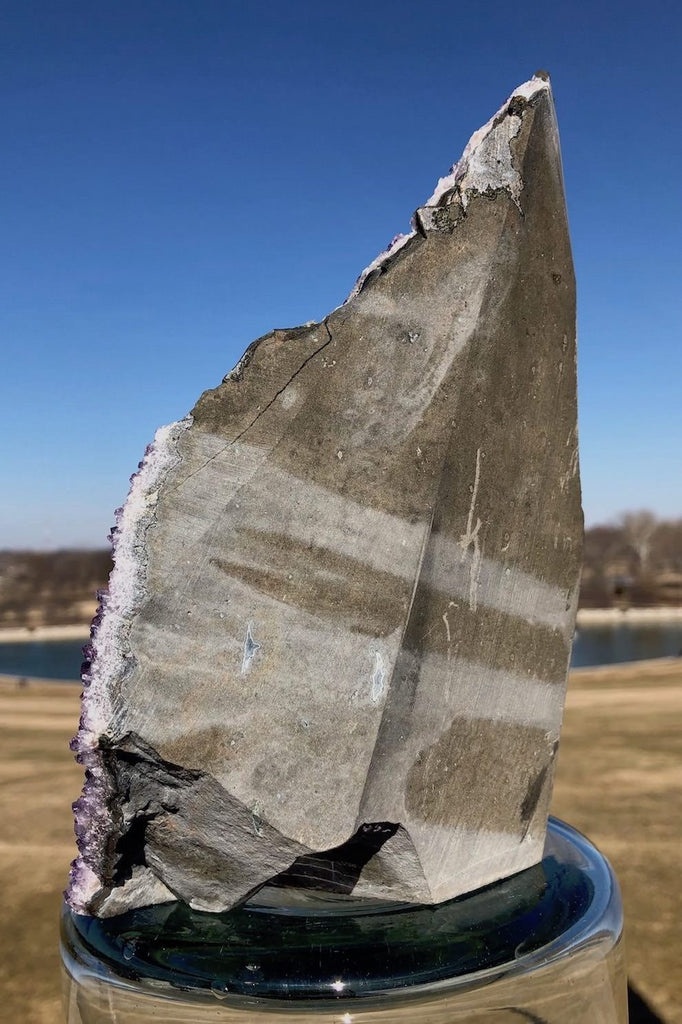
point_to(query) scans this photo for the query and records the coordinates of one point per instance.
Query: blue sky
(178, 178)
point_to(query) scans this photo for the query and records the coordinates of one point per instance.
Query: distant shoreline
(628, 616)
(11, 681)
(21, 634)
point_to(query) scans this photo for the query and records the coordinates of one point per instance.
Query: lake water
(53, 659)
(616, 643)
(593, 645)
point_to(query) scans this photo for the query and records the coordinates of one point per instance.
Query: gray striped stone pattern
(356, 586)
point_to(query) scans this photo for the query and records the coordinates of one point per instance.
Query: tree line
(50, 588)
(636, 560)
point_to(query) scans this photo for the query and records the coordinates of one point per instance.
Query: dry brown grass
(38, 782)
(618, 781)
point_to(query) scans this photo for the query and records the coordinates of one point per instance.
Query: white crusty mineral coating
(485, 164)
(472, 167)
(109, 650)
(126, 584)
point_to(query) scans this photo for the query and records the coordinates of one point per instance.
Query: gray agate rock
(334, 648)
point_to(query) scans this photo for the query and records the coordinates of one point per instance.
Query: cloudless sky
(177, 178)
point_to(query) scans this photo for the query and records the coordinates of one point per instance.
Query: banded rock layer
(335, 643)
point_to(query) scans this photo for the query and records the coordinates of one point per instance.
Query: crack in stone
(527, 1015)
(261, 412)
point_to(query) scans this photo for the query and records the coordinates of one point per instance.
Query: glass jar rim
(287, 948)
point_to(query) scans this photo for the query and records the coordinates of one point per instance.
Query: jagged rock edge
(448, 187)
(131, 749)
(107, 656)
(335, 870)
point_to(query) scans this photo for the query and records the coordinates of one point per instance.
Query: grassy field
(618, 780)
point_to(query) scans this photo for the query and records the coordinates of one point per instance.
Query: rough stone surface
(345, 586)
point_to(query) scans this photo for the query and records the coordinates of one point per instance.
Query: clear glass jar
(544, 946)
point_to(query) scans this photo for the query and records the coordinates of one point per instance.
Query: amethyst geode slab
(334, 648)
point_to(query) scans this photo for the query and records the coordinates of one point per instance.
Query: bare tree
(639, 528)
(666, 546)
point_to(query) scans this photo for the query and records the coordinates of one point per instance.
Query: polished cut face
(336, 639)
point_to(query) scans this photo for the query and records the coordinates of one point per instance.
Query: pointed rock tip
(538, 83)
